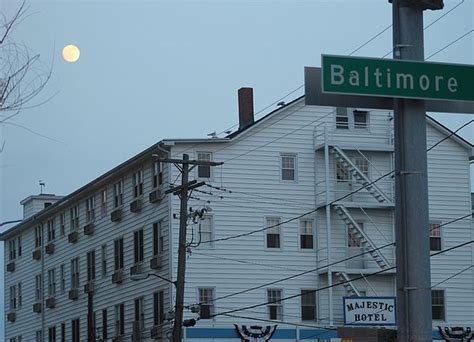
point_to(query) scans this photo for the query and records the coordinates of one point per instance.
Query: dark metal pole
(411, 194)
(183, 216)
(90, 317)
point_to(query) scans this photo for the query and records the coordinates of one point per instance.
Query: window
(361, 119)
(206, 302)
(62, 275)
(38, 236)
(20, 296)
(342, 120)
(139, 312)
(288, 163)
(306, 234)
(119, 319)
(38, 287)
(204, 171)
(63, 332)
(75, 330)
(435, 236)
(12, 249)
(352, 239)
(206, 230)
(308, 305)
(90, 209)
(437, 305)
(51, 232)
(138, 246)
(12, 298)
(158, 240)
(342, 173)
(158, 308)
(157, 173)
(62, 223)
(19, 250)
(118, 194)
(137, 183)
(363, 165)
(47, 204)
(51, 283)
(104, 260)
(52, 334)
(39, 336)
(91, 266)
(74, 217)
(104, 324)
(275, 306)
(75, 273)
(273, 232)
(118, 254)
(103, 202)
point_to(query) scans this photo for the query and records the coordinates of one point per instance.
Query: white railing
(375, 134)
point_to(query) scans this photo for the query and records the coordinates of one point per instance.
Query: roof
(163, 146)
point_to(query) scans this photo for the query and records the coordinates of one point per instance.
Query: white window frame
(118, 194)
(277, 304)
(199, 155)
(294, 156)
(313, 292)
(38, 236)
(158, 244)
(118, 254)
(90, 209)
(158, 307)
(210, 233)
(269, 231)
(75, 273)
(13, 298)
(363, 165)
(51, 230)
(212, 303)
(91, 266)
(119, 318)
(445, 311)
(341, 112)
(103, 254)
(51, 283)
(140, 310)
(74, 217)
(12, 249)
(432, 235)
(62, 277)
(38, 288)
(300, 231)
(103, 201)
(62, 223)
(157, 172)
(18, 246)
(137, 183)
(138, 246)
(358, 127)
(20, 295)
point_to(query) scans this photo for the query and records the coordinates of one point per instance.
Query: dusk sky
(150, 70)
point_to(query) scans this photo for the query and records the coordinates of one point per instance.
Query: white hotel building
(276, 171)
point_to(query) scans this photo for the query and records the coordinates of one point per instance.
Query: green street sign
(396, 78)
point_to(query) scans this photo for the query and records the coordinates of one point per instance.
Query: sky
(153, 69)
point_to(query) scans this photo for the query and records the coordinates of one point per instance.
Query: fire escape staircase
(366, 244)
(359, 176)
(351, 290)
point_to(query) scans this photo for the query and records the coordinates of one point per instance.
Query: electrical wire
(450, 135)
(337, 284)
(446, 46)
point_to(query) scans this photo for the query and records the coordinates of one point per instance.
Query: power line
(446, 46)
(453, 276)
(450, 135)
(338, 284)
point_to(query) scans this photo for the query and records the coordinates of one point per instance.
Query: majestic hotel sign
(369, 311)
(396, 78)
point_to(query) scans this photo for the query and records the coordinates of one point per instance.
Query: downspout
(328, 227)
(315, 164)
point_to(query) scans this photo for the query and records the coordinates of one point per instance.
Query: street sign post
(397, 78)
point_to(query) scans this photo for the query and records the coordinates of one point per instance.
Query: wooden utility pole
(183, 192)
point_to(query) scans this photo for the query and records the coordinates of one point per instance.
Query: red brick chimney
(245, 107)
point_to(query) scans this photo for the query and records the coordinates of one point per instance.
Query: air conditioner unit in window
(89, 287)
(11, 316)
(49, 248)
(73, 237)
(156, 196)
(118, 339)
(136, 206)
(37, 307)
(11, 266)
(136, 269)
(73, 294)
(155, 262)
(37, 254)
(156, 332)
(117, 277)
(116, 215)
(89, 229)
(50, 302)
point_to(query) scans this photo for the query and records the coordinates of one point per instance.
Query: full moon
(71, 53)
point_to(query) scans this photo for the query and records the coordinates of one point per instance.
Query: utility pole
(411, 183)
(90, 317)
(183, 192)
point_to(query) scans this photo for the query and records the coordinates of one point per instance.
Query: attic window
(47, 204)
(361, 119)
